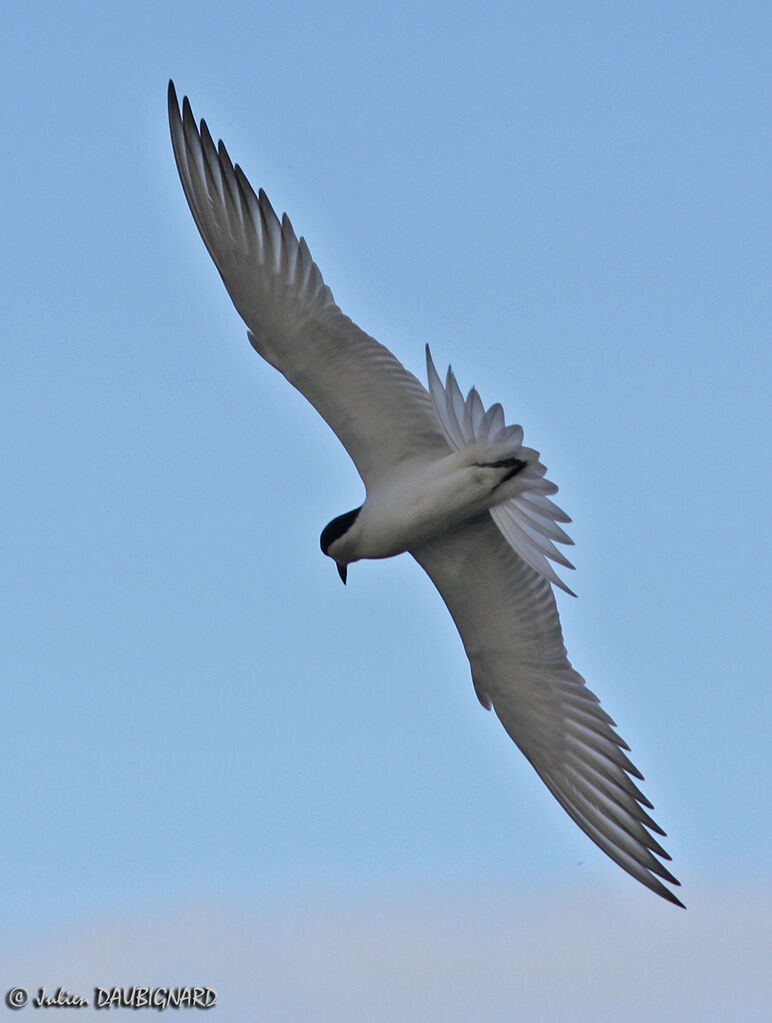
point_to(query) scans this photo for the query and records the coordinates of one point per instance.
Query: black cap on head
(335, 529)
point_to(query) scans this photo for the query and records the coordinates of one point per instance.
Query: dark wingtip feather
(670, 897)
(172, 104)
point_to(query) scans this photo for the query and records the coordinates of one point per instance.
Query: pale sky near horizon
(571, 204)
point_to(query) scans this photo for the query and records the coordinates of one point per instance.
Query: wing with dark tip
(506, 615)
(380, 411)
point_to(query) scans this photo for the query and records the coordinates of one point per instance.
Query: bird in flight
(446, 480)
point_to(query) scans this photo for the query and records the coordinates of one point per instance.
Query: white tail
(529, 522)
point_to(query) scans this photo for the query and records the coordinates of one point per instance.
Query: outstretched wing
(506, 615)
(379, 411)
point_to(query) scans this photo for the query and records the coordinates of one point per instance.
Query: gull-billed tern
(446, 480)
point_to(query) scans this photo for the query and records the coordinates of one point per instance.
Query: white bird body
(447, 481)
(413, 503)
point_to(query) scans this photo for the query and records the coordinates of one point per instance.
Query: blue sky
(570, 203)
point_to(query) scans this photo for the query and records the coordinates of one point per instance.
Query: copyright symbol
(17, 998)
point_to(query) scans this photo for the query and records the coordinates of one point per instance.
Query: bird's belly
(397, 518)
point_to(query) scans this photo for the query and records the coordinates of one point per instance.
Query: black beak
(342, 572)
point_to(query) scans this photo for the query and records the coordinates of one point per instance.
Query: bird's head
(333, 540)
